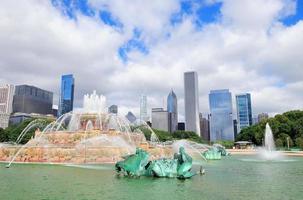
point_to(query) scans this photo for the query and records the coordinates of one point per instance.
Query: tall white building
(191, 92)
(143, 108)
(6, 103)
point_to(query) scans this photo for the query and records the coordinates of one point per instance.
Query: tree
(13, 131)
(227, 144)
(279, 142)
(286, 125)
(299, 142)
(3, 135)
(187, 135)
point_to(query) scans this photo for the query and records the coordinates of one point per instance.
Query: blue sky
(293, 19)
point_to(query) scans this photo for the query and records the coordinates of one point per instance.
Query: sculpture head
(181, 150)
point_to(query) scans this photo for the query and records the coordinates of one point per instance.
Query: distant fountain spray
(268, 152)
(269, 143)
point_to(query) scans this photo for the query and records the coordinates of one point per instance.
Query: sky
(125, 48)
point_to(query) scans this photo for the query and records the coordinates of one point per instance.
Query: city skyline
(120, 54)
(148, 107)
(160, 99)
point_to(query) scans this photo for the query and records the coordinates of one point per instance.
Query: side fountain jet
(137, 165)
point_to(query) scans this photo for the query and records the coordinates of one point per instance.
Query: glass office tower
(244, 114)
(221, 121)
(67, 94)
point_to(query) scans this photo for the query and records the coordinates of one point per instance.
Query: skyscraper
(221, 120)
(204, 126)
(143, 108)
(172, 109)
(113, 109)
(244, 114)
(66, 94)
(6, 102)
(191, 100)
(160, 119)
(131, 117)
(31, 99)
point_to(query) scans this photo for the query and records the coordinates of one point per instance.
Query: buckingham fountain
(86, 135)
(91, 135)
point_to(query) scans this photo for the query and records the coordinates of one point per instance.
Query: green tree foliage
(3, 135)
(279, 142)
(166, 136)
(227, 144)
(287, 125)
(299, 142)
(145, 130)
(11, 133)
(190, 135)
(163, 135)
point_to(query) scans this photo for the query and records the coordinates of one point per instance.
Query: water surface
(234, 177)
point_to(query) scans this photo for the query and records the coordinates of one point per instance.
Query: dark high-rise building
(30, 99)
(235, 128)
(221, 119)
(204, 126)
(66, 94)
(181, 126)
(191, 100)
(131, 117)
(113, 109)
(244, 113)
(172, 109)
(55, 110)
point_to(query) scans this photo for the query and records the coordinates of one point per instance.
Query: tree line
(286, 128)
(11, 133)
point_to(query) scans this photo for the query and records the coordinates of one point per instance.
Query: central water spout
(93, 103)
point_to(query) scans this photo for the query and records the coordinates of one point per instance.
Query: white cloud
(247, 50)
(257, 15)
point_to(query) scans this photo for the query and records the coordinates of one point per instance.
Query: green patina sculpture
(221, 149)
(212, 154)
(215, 152)
(138, 165)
